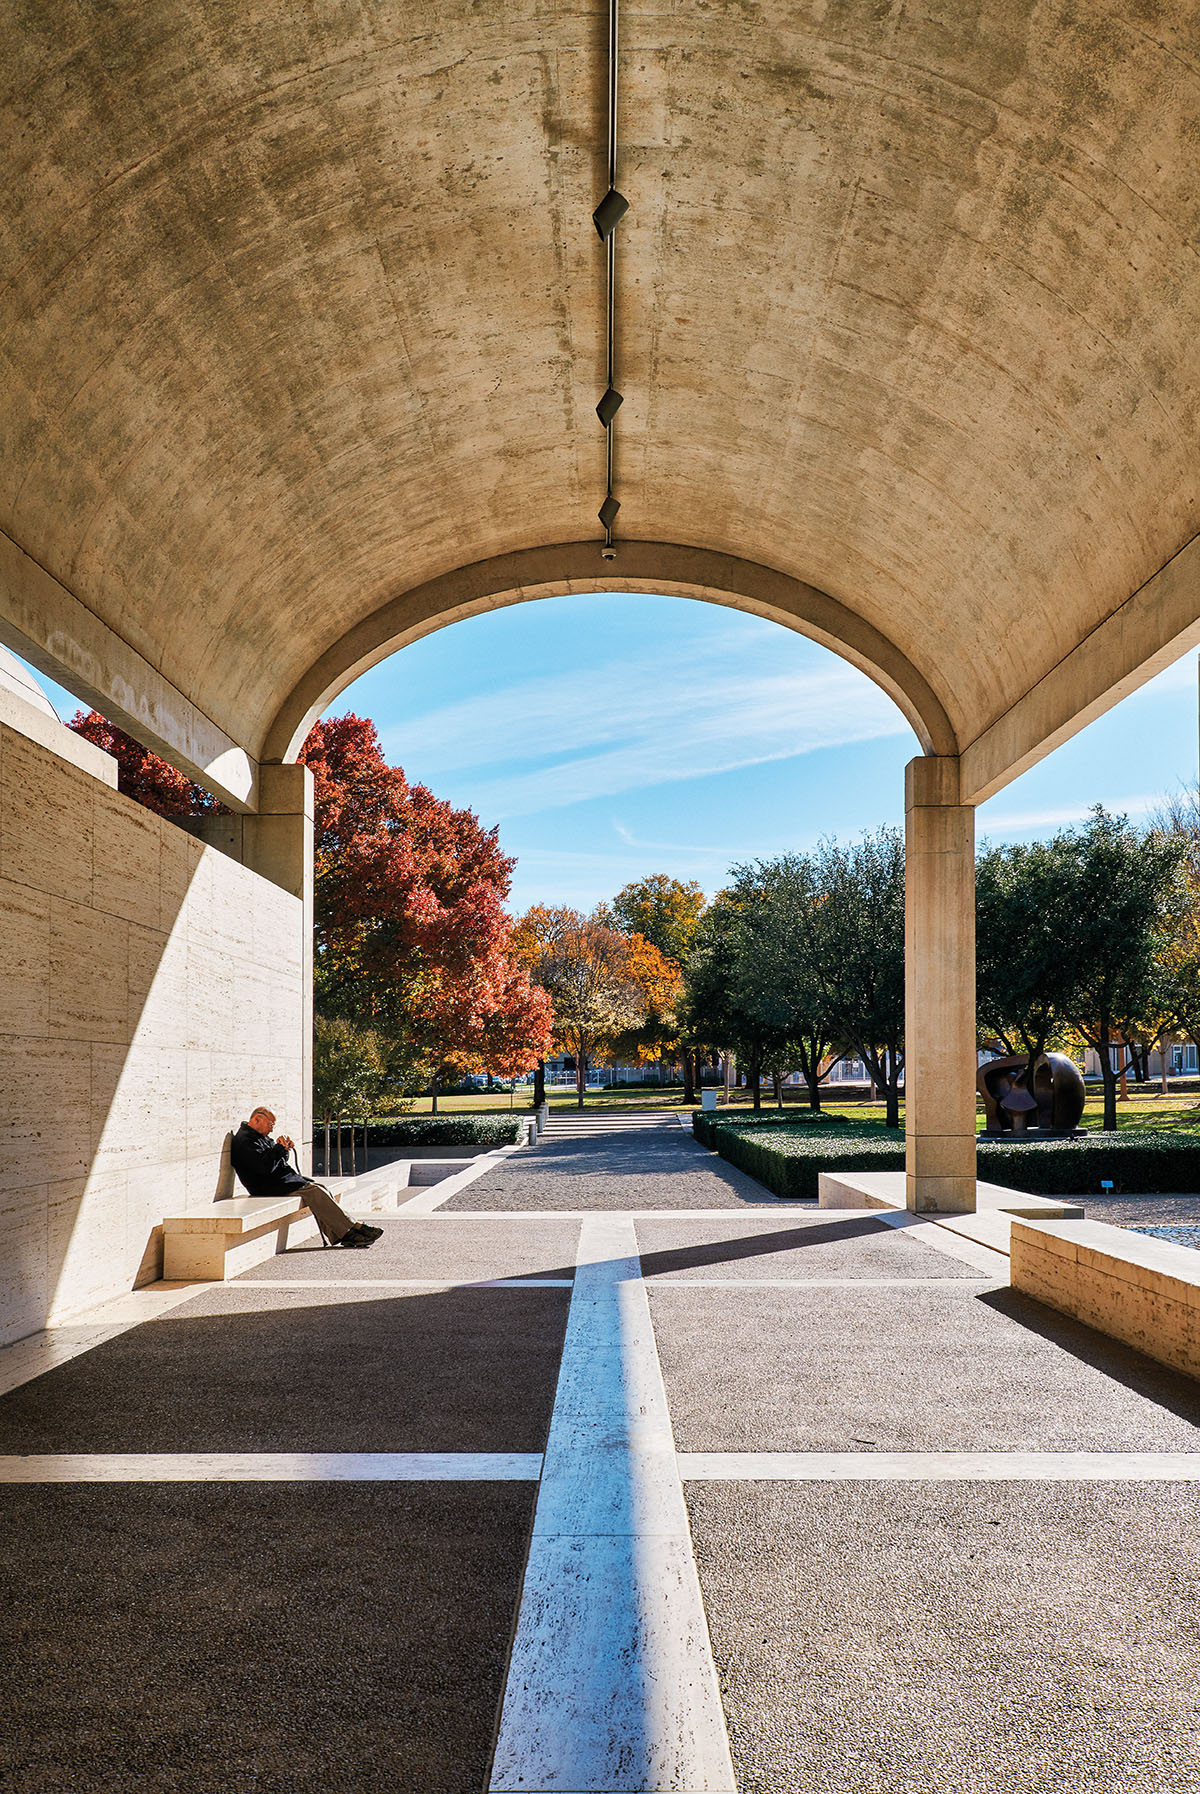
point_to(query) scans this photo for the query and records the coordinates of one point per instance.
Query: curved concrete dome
(20, 681)
(303, 311)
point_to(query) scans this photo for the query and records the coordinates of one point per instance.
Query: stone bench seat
(219, 1242)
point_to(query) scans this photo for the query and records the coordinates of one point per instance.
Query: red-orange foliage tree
(411, 932)
(142, 775)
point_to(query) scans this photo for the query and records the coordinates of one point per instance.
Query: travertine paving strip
(611, 1684)
(272, 1467)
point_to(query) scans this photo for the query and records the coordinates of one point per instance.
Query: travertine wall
(150, 993)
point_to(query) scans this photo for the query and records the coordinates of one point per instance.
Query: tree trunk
(812, 1077)
(366, 1150)
(777, 1085)
(339, 1145)
(1108, 1078)
(539, 1084)
(580, 1079)
(883, 1069)
(689, 1084)
(433, 1093)
(325, 1165)
(755, 1076)
(1163, 1049)
(892, 1067)
(1140, 1053)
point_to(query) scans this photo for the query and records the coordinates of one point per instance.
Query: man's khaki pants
(333, 1221)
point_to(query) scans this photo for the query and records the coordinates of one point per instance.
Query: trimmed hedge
(447, 1130)
(788, 1157)
(705, 1121)
(788, 1160)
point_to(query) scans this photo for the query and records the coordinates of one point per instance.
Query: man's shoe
(372, 1233)
(355, 1237)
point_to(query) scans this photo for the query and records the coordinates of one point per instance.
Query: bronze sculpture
(1049, 1110)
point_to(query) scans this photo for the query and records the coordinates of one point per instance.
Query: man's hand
(288, 1145)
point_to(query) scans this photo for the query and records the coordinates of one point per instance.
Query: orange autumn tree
(411, 933)
(598, 979)
(656, 1035)
(535, 939)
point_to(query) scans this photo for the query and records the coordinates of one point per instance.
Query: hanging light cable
(606, 217)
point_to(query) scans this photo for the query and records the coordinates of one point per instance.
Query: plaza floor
(612, 1473)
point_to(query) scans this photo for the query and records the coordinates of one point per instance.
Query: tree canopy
(411, 935)
(663, 910)
(143, 776)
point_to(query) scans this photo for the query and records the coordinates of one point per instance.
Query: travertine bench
(230, 1237)
(215, 1243)
(1140, 1289)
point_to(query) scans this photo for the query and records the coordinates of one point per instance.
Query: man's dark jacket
(262, 1164)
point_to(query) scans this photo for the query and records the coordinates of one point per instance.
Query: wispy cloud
(1035, 820)
(633, 723)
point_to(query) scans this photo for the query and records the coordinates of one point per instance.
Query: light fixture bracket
(609, 213)
(609, 405)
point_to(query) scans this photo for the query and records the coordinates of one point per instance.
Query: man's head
(261, 1120)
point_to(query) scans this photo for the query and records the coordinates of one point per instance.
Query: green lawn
(649, 1096)
(1145, 1106)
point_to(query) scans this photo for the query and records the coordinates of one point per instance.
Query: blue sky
(614, 735)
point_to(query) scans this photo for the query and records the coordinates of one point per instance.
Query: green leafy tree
(351, 1074)
(858, 949)
(716, 1009)
(1117, 892)
(1179, 953)
(665, 911)
(778, 972)
(1022, 976)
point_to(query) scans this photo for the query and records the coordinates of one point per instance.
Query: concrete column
(939, 949)
(277, 843)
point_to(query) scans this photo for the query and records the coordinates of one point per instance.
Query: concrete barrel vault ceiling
(302, 323)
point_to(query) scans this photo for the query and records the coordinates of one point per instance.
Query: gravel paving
(968, 1639)
(412, 1247)
(1132, 1210)
(942, 1369)
(645, 1169)
(811, 1245)
(331, 1370)
(201, 1639)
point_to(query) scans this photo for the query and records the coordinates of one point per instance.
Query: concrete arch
(673, 569)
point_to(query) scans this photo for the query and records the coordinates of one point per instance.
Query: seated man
(263, 1166)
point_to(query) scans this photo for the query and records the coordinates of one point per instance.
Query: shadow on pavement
(716, 1252)
(1158, 1383)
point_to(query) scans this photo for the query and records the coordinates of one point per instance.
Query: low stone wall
(1141, 1290)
